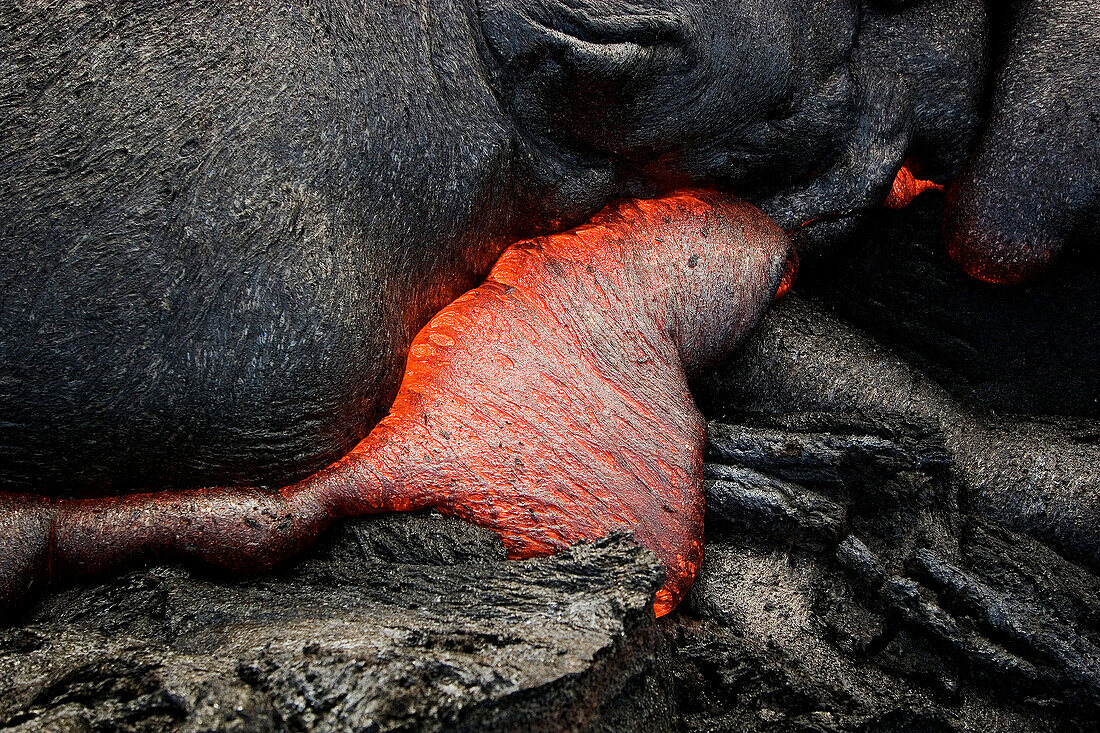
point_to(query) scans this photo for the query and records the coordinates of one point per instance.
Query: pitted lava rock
(550, 405)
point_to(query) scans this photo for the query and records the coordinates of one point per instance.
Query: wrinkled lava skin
(550, 404)
(911, 85)
(1026, 140)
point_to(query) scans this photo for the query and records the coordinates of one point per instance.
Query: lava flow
(790, 274)
(907, 187)
(550, 405)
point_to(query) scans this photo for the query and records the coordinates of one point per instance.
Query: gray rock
(397, 623)
(915, 615)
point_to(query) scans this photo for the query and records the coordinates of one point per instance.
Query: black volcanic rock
(1030, 349)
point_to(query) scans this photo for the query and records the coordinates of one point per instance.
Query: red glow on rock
(907, 187)
(806, 223)
(790, 274)
(550, 404)
(984, 257)
(979, 246)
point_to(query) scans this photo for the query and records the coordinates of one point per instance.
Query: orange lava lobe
(550, 405)
(907, 187)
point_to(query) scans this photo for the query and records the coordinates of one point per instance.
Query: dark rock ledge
(844, 590)
(412, 622)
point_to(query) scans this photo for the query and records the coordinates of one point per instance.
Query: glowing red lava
(790, 274)
(987, 252)
(550, 404)
(907, 187)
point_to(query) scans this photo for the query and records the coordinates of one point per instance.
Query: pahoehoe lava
(550, 404)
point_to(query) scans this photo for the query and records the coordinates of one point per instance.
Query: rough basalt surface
(845, 589)
(403, 623)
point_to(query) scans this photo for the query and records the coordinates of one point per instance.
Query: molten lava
(550, 405)
(790, 274)
(907, 187)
